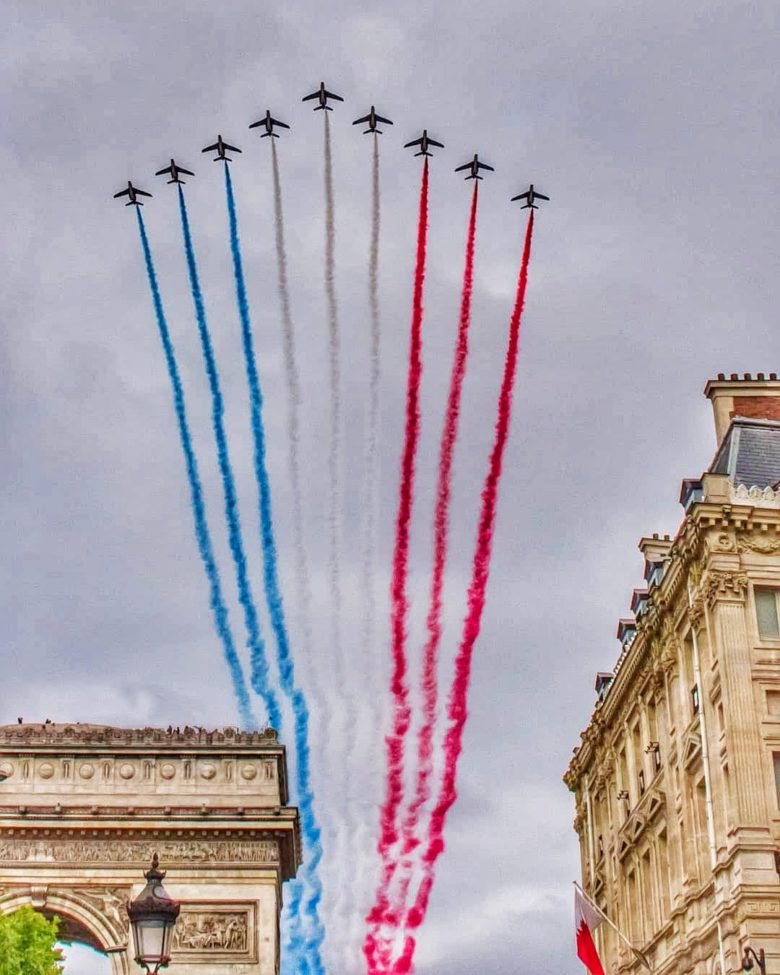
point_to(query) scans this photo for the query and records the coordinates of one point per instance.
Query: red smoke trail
(457, 708)
(394, 743)
(430, 686)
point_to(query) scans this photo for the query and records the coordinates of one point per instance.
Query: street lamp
(750, 956)
(152, 916)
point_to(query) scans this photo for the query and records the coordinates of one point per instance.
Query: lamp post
(152, 917)
(749, 956)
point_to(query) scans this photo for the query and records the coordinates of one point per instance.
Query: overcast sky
(653, 127)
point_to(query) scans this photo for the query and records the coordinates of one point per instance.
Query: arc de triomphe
(83, 808)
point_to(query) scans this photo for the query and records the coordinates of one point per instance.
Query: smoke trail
(457, 708)
(309, 826)
(303, 581)
(202, 534)
(334, 354)
(430, 688)
(256, 646)
(399, 598)
(353, 879)
(369, 503)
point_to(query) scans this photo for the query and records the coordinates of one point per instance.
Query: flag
(587, 920)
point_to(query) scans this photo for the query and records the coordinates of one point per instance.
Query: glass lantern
(153, 917)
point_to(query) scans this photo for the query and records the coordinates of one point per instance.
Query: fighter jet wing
(459, 169)
(307, 98)
(366, 118)
(379, 118)
(330, 94)
(433, 142)
(275, 121)
(481, 165)
(540, 196)
(122, 193)
(414, 142)
(181, 169)
(522, 196)
(231, 148)
(169, 169)
(142, 193)
(211, 148)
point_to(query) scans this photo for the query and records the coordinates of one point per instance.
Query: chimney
(655, 548)
(754, 397)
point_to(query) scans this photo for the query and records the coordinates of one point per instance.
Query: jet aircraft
(269, 124)
(372, 118)
(530, 196)
(475, 165)
(221, 147)
(322, 95)
(174, 171)
(133, 192)
(424, 142)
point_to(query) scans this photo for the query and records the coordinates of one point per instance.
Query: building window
(641, 782)
(766, 614)
(601, 846)
(695, 698)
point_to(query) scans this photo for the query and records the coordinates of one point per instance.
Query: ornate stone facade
(83, 808)
(677, 776)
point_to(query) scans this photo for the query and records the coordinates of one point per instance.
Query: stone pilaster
(726, 595)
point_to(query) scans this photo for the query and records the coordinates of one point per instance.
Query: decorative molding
(756, 496)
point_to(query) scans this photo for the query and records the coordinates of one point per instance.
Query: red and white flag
(587, 919)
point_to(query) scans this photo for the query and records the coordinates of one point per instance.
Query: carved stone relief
(222, 931)
(111, 902)
(762, 544)
(138, 851)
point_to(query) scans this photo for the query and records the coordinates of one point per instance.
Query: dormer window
(695, 698)
(626, 631)
(603, 682)
(691, 492)
(655, 572)
(639, 602)
(641, 782)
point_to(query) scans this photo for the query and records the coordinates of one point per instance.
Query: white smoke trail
(334, 351)
(337, 715)
(303, 579)
(364, 754)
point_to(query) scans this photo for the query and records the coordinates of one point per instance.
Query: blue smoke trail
(256, 646)
(311, 832)
(196, 492)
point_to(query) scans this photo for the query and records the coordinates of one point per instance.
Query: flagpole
(615, 928)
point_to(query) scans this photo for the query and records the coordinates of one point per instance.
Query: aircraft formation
(423, 143)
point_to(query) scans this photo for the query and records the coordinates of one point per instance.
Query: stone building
(677, 776)
(83, 808)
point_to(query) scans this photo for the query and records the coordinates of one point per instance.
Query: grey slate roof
(750, 453)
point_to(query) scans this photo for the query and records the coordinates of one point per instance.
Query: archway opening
(80, 948)
(81, 959)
